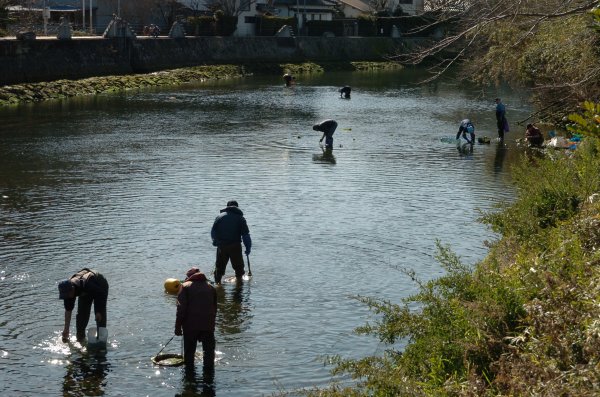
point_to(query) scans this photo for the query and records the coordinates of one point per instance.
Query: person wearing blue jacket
(501, 121)
(228, 231)
(90, 287)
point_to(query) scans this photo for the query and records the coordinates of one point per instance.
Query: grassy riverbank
(526, 320)
(36, 92)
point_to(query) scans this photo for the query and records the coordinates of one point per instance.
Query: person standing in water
(327, 127)
(228, 229)
(196, 317)
(501, 121)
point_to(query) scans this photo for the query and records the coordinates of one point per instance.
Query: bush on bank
(524, 321)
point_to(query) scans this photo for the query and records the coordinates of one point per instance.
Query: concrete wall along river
(46, 59)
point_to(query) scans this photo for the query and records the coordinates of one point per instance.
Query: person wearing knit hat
(195, 318)
(90, 287)
(228, 231)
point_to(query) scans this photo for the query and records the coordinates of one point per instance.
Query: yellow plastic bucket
(172, 286)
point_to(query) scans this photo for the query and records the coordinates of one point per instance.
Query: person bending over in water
(327, 127)
(345, 92)
(466, 127)
(289, 79)
(91, 287)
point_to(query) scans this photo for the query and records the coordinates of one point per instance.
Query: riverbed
(129, 184)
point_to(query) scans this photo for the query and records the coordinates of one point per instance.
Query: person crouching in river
(533, 135)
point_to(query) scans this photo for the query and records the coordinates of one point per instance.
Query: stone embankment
(40, 69)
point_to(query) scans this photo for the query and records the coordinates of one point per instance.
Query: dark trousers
(225, 253)
(84, 307)
(500, 125)
(190, 341)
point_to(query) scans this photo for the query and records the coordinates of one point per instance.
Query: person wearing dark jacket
(345, 92)
(228, 230)
(196, 316)
(533, 135)
(327, 127)
(91, 287)
(501, 121)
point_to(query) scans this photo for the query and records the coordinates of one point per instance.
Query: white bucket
(97, 337)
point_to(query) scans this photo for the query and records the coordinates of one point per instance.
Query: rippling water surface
(130, 185)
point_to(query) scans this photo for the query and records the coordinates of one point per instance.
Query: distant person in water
(327, 127)
(345, 92)
(501, 121)
(533, 135)
(466, 127)
(289, 79)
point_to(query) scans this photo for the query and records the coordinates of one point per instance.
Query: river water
(130, 185)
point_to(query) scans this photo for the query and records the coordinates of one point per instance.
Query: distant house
(355, 8)
(411, 7)
(306, 10)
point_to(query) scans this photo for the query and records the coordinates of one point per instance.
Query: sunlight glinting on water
(131, 184)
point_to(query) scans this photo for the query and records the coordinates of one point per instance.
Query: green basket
(168, 360)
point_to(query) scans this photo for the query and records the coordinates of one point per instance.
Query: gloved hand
(178, 331)
(247, 252)
(214, 243)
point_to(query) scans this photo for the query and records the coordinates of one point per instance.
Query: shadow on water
(86, 376)
(195, 385)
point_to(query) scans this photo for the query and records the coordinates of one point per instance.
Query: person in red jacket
(195, 319)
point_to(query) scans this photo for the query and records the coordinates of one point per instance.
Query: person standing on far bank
(501, 121)
(228, 231)
(91, 287)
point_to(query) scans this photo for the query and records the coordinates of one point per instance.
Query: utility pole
(298, 15)
(83, 15)
(91, 24)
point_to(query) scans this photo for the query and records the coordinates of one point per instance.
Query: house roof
(302, 3)
(357, 4)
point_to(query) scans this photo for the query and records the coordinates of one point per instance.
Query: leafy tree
(547, 45)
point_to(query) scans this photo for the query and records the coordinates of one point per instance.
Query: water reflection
(86, 376)
(326, 156)
(465, 149)
(233, 307)
(195, 385)
(499, 157)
